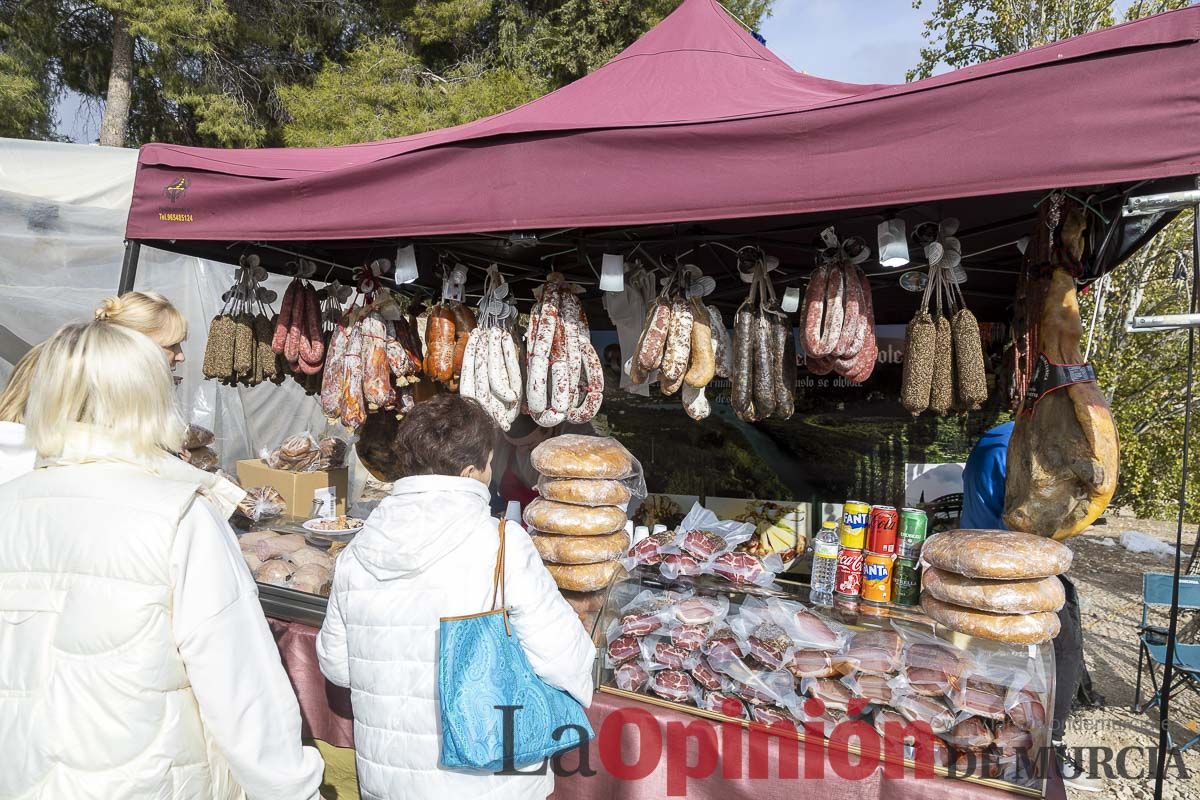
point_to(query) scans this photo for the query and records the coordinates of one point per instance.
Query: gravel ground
(1109, 580)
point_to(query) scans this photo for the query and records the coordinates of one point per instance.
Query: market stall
(735, 221)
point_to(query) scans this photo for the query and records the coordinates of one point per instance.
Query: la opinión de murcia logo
(852, 750)
(176, 190)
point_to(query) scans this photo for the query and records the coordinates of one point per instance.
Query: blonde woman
(16, 458)
(137, 660)
(150, 314)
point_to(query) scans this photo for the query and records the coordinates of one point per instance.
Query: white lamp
(893, 243)
(612, 273)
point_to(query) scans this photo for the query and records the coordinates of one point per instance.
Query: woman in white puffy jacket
(136, 660)
(428, 551)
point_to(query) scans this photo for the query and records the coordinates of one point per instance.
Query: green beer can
(906, 582)
(913, 526)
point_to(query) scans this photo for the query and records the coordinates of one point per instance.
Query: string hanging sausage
(702, 364)
(743, 353)
(679, 342)
(764, 386)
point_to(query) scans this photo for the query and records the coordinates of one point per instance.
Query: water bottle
(824, 569)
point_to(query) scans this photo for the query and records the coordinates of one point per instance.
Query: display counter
(882, 684)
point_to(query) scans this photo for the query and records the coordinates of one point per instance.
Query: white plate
(333, 535)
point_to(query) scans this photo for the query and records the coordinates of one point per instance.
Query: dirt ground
(1109, 580)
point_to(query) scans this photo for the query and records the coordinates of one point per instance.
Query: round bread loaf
(1006, 555)
(999, 597)
(586, 605)
(568, 520)
(575, 456)
(583, 577)
(1012, 628)
(584, 491)
(557, 549)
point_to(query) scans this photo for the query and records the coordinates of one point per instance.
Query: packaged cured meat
(724, 704)
(810, 664)
(872, 652)
(673, 684)
(675, 565)
(558, 549)
(980, 697)
(584, 492)
(621, 649)
(645, 614)
(743, 569)
(1010, 739)
(702, 544)
(631, 677)
(1006, 555)
(830, 691)
(689, 637)
(274, 572)
(313, 579)
(297, 453)
(1012, 628)
(722, 647)
(701, 610)
(770, 646)
(1027, 711)
(648, 551)
(277, 546)
(575, 456)
(706, 677)
(659, 650)
(252, 560)
(806, 628)
(773, 716)
(548, 516)
(934, 713)
(204, 458)
(583, 577)
(878, 689)
(969, 734)
(247, 541)
(997, 596)
(309, 555)
(761, 687)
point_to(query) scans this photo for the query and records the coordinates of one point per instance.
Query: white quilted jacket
(428, 551)
(135, 662)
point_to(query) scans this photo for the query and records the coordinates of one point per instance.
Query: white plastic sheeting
(62, 221)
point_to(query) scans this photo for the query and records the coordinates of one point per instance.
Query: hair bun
(109, 308)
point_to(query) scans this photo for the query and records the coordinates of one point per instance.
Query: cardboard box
(297, 488)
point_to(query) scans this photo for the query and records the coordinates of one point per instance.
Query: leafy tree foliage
(248, 73)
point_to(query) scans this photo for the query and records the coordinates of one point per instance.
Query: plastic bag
(766, 642)
(631, 676)
(303, 452)
(743, 569)
(586, 491)
(262, 502)
(661, 651)
(648, 552)
(578, 456)
(724, 703)
(708, 678)
(701, 519)
(673, 684)
(808, 629)
(698, 610)
(196, 437)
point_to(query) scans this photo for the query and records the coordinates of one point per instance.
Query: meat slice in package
(664, 653)
(689, 637)
(631, 676)
(701, 610)
(673, 684)
(703, 544)
(725, 704)
(622, 649)
(707, 677)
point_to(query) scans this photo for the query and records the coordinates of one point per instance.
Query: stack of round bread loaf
(998, 585)
(578, 523)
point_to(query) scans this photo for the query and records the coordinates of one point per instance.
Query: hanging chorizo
(679, 342)
(654, 340)
(702, 365)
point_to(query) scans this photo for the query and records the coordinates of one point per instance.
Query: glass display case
(962, 707)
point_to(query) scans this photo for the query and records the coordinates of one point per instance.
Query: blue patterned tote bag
(496, 713)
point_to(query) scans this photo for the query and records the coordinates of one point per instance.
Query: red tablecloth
(324, 708)
(326, 712)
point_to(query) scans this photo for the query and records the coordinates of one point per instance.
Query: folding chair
(1156, 592)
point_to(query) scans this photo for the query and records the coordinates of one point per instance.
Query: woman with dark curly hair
(428, 551)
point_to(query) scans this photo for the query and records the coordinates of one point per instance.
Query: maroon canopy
(697, 120)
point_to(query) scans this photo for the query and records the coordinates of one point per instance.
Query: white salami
(497, 370)
(537, 395)
(594, 395)
(572, 319)
(512, 362)
(722, 350)
(466, 379)
(331, 382)
(695, 403)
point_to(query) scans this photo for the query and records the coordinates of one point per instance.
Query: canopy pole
(1164, 717)
(129, 265)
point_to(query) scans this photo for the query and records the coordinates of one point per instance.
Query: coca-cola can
(848, 582)
(881, 530)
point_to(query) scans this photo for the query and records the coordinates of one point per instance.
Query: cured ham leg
(1063, 459)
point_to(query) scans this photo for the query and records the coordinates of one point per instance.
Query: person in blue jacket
(983, 507)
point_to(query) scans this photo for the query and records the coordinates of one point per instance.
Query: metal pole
(129, 266)
(1164, 718)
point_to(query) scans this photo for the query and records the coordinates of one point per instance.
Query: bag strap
(498, 574)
